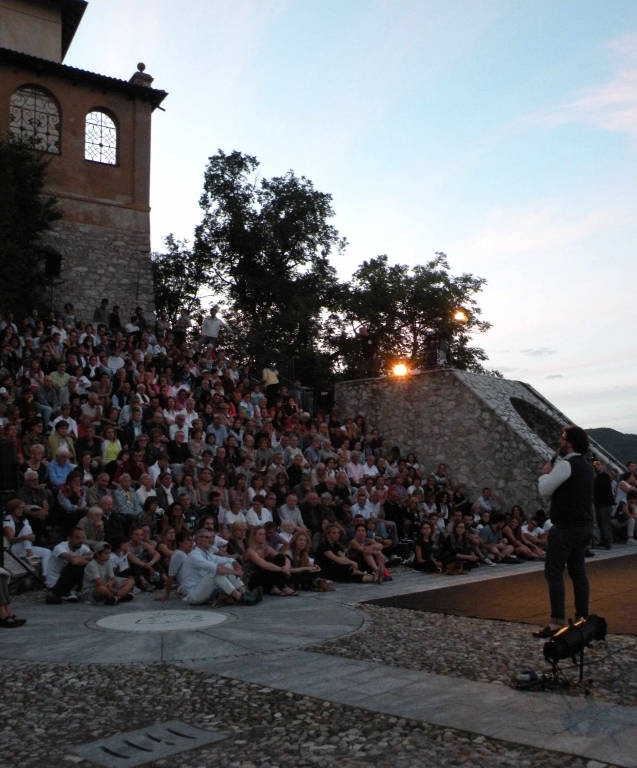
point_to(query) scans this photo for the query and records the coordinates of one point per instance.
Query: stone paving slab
(586, 727)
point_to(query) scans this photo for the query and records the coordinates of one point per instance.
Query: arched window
(100, 139)
(34, 119)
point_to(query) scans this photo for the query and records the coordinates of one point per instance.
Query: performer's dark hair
(577, 438)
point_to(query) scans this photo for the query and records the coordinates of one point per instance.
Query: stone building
(95, 131)
(489, 431)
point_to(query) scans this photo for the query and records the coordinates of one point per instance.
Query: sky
(501, 132)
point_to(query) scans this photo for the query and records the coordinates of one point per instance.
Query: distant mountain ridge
(623, 446)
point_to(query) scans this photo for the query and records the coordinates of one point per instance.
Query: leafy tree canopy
(25, 215)
(396, 312)
(264, 245)
(263, 248)
(176, 279)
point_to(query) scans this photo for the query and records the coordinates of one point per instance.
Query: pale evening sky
(501, 132)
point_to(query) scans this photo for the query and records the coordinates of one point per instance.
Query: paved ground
(263, 648)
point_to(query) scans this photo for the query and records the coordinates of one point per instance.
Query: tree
(177, 277)
(25, 215)
(264, 246)
(395, 312)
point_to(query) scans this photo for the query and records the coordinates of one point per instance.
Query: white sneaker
(488, 561)
(631, 541)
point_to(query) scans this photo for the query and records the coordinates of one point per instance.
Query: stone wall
(466, 420)
(104, 260)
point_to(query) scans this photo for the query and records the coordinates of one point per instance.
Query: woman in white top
(19, 534)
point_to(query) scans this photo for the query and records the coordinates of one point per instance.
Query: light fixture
(400, 369)
(570, 640)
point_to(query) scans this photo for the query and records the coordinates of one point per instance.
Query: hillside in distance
(623, 446)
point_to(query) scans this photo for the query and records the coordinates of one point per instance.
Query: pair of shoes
(630, 541)
(52, 599)
(248, 598)
(546, 632)
(320, 585)
(126, 598)
(111, 601)
(509, 560)
(72, 597)
(394, 561)
(488, 561)
(12, 623)
(589, 552)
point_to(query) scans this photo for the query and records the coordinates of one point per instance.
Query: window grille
(100, 144)
(34, 119)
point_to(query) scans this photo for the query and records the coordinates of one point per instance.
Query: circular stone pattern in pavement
(161, 621)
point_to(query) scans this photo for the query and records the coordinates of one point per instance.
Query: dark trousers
(268, 579)
(70, 578)
(567, 547)
(605, 528)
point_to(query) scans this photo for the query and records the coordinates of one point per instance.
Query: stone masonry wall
(102, 261)
(450, 416)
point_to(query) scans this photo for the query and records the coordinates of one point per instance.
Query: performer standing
(569, 483)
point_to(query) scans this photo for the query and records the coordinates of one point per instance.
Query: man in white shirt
(355, 469)
(361, 506)
(179, 426)
(211, 326)
(258, 515)
(370, 469)
(290, 512)
(204, 573)
(65, 569)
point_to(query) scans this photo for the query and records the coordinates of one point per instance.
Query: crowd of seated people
(204, 478)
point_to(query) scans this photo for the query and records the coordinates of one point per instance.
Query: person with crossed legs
(205, 573)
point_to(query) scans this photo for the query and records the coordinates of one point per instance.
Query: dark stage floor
(524, 597)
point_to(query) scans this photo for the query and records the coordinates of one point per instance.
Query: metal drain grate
(147, 744)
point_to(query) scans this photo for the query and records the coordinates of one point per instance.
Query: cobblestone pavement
(455, 646)
(47, 709)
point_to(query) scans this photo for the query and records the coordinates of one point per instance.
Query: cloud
(538, 351)
(611, 105)
(547, 226)
(554, 376)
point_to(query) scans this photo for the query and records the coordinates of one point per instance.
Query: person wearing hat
(99, 582)
(60, 438)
